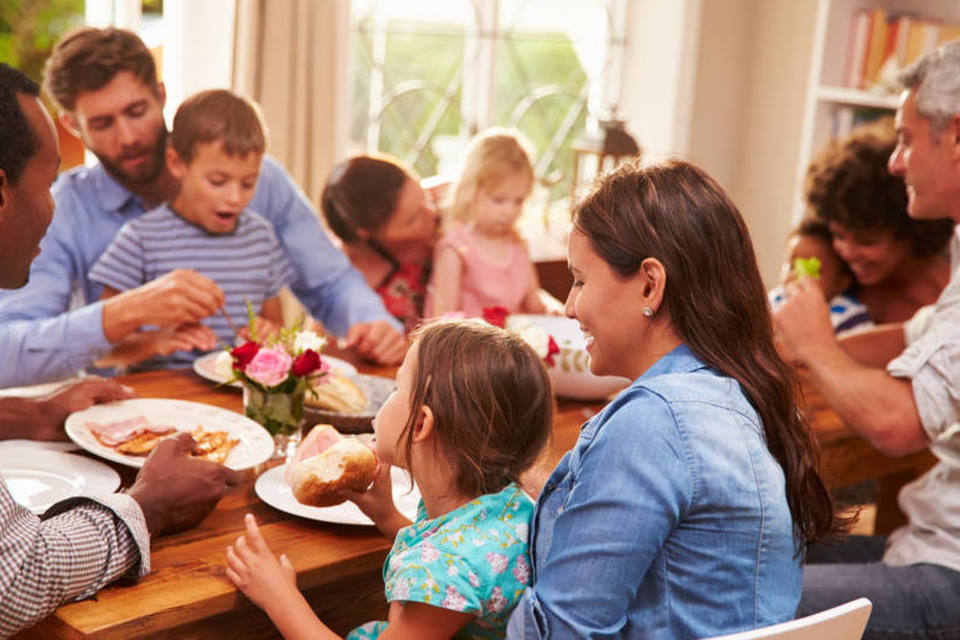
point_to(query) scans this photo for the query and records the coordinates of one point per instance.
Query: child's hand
(140, 345)
(253, 569)
(378, 499)
(264, 329)
(377, 503)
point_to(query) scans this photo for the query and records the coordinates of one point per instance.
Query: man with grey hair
(899, 387)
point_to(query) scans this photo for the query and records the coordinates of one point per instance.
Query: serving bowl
(570, 372)
(375, 388)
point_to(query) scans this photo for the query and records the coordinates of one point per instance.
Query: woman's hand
(377, 503)
(256, 571)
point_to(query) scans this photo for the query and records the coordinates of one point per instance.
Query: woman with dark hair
(684, 508)
(388, 226)
(900, 264)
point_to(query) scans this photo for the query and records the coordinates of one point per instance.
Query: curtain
(289, 56)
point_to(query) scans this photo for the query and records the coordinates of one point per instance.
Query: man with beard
(105, 84)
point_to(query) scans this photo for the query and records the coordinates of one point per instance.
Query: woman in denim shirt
(684, 507)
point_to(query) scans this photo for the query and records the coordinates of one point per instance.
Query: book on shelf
(846, 119)
(880, 44)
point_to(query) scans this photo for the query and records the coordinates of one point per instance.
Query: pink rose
(270, 366)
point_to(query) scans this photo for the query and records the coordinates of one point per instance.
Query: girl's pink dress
(486, 282)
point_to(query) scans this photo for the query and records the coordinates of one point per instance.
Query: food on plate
(326, 463)
(138, 437)
(113, 434)
(213, 445)
(336, 392)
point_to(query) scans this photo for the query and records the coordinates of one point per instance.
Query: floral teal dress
(473, 559)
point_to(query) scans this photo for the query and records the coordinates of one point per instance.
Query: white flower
(223, 365)
(308, 340)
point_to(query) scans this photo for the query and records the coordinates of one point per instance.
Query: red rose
(552, 350)
(243, 354)
(497, 316)
(306, 363)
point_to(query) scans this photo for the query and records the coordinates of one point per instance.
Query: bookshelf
(837, 95)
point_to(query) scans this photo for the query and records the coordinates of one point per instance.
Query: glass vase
(280, 413)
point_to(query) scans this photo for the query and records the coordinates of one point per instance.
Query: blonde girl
(465, 424)
(481, 261)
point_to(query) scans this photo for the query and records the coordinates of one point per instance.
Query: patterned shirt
(75, 549)
(473, 559)
(248, 264)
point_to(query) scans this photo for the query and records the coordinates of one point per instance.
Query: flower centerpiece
(276, 373)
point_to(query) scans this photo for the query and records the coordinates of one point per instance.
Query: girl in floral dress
(472, 411)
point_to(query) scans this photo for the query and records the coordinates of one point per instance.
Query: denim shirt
(52, 327)
(668, 519)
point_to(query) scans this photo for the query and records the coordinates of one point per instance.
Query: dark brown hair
(491, 401)
(18, 140)
(715, 301)
(848, 184)
(218, 115)
(88, 58)
(362, 193)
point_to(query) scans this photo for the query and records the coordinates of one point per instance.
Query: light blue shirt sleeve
(327, 284)
(630, 488)
(40, 340)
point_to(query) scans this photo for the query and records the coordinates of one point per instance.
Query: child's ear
(176, 165)
(423, 429)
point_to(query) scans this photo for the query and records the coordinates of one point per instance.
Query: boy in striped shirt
(215, 150)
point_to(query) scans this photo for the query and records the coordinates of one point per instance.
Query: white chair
(845, 622)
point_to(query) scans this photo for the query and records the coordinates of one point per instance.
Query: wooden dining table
(187, 593)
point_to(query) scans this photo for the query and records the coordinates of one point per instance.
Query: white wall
(749, 94)
(658, 74)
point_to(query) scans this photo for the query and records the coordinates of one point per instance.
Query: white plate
(38, 445)
(38, 479)
(205, 367)
(275, 492)
(255, 446)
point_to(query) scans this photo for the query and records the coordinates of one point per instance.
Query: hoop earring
(648, 312)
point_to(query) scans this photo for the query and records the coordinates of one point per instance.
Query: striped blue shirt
(248, 264)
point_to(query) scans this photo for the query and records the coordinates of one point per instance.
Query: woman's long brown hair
(716, 302)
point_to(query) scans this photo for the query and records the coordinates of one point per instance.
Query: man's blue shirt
(668, 519)
(52, 327)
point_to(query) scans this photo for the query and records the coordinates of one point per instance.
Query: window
(427, 74)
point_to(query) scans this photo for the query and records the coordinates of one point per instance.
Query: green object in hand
(807, 267)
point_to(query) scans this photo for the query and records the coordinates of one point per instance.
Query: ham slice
(114, 433)
(320, 438)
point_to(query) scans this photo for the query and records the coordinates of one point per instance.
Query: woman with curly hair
(900, 264)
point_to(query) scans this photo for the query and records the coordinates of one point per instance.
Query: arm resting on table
(78, 548)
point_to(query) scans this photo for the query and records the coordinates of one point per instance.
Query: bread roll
(338, 393)
(348, 464)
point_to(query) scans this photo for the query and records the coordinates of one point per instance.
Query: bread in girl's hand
(325, 464)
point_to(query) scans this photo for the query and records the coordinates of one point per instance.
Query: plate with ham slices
(128, 430)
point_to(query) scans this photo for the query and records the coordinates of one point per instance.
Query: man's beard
(148, 171)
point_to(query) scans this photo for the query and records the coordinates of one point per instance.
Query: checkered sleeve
(76, 548)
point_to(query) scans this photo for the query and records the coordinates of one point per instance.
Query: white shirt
(932, 363)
